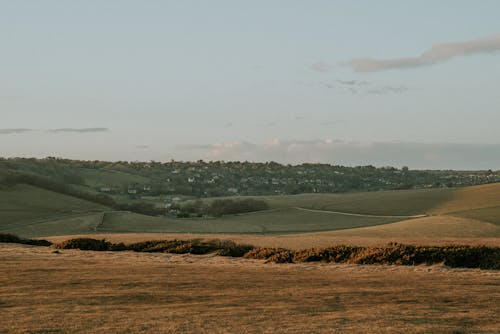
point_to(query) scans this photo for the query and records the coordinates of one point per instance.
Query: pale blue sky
(231, 79)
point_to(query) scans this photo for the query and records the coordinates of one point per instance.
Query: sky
(385, 83)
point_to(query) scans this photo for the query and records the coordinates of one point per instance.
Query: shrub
(229, 248)
(282, 256)
(85, 244)
(11, 238)
(262, 253)
(222, 207)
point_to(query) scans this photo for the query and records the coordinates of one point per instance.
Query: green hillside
(277, 221)
(392, 203)
(30, 211)
(22, 204)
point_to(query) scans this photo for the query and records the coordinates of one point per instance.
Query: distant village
(211, 179)
(176, 180)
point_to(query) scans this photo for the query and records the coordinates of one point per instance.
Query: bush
(11, 238)
(85, 244)
(262, 253)
(454, 256)
(222, 207)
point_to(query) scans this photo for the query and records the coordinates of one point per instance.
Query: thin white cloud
(320, 66)
(55, 131)
(353, 82)
(436, 54)
(78, 130)
(14, 131)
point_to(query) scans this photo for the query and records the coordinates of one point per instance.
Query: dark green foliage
(219, 207)
(140, 207)
(85, 244)
(219, 178)
(11, 238)
(222, 207)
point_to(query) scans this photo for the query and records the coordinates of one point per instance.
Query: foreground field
(93, 292)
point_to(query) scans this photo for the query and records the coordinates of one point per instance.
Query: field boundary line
(357, 214)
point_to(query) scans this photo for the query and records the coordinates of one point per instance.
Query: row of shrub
(219, 207)
(195, 246)
(483, 257)
(11, 238)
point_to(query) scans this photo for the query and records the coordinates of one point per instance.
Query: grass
(74, 224)
(470, 198)
(125, 292)
(464, 212)
(491, 214)
(428, 227)
(279, 221)
(395, 202)
(23, 203)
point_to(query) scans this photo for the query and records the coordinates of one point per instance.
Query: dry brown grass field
(124, 292)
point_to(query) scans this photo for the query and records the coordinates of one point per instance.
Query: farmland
(472, 211)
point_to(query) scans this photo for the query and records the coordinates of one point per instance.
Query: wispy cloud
(382, 90)
(14, 131)
(55, 131)
(436, 54)
(359, 87)
(78, 130)
(320, 66)
(353, 82)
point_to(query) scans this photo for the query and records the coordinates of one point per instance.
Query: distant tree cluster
(220, 178)
(218, 208)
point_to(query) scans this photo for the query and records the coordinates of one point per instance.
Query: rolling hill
(452, 212)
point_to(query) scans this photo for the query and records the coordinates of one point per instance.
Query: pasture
(450, 213)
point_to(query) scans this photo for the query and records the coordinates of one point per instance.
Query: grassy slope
(478, 204)
(279, 221)
(31, 212)
(23, 203)
(470, 198)
(75, 224)
(428, 227)
(396, 202)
